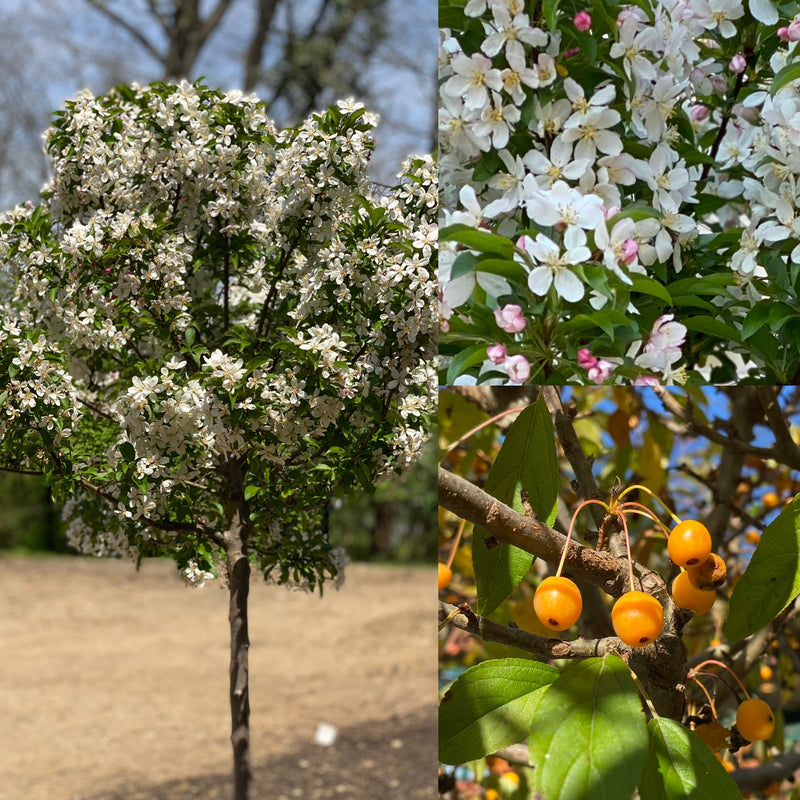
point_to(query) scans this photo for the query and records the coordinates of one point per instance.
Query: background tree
(298, 57)
(215, 327)
(726, 457)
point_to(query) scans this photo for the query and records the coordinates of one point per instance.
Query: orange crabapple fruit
(686, 595)
(689, 543)
(637, 618)
(755, 720)
(557, 603)
(445, 576)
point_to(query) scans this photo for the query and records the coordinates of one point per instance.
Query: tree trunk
(239, 587)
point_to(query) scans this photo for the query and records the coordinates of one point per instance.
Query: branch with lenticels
(506, 525)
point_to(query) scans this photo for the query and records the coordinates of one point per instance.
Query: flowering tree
(210, 327)
(622, 176)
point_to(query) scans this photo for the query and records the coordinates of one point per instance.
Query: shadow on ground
(391, 760)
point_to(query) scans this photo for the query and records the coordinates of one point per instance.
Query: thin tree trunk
(239, 587)
(239, 577)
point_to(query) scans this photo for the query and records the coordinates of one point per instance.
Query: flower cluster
(625, 176)
(200, 290)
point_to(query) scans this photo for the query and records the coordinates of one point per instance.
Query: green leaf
(189, 335)
(550, 11)
(789, 73)
(251, 491)
(465, 262)
(482, 241)
(490, 706)
(526, 460)
(772, 578)
(588, 737)
(127, 451)
(680, 765)
(466, 358)
(712, 327)
(645, 285)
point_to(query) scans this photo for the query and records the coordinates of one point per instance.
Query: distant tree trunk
(239, 587)
(384, 527)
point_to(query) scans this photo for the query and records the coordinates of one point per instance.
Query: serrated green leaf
(772, 578)
(680, 765)
(712, 327)
(466, 358)
(526, 460)
(482, 241)
(783, 77)
(490, 706)
(645, 285)
(588, 737)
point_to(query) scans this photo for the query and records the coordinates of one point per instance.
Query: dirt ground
(114, 685)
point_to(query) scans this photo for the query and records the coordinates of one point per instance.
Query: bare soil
(114, 685)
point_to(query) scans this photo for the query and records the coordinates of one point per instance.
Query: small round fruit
(445, 576)
(637, 618)
(689, 543)
(688, 596)
(558, 603)
(764, 672)
(771, 500)
(752, 536)
(755, 720)
(709, 575)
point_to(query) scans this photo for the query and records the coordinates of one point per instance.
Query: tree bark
(239, 588)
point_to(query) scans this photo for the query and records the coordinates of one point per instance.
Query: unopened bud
(738, 64)
(699, 113)
(582, 21)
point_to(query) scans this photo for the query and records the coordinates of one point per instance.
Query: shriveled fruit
(714, 735)
(689, 543)
(755, 720)
(709, 575)
(637, 618)
(445, 576)
(686, 595)
(558, 603)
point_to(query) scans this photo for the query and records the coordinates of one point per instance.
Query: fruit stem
(628, 549)
(643, 693)
(654, 496)
(696, 669)
(708, 696)
(455, 544)
(638, 508)
(477, 428)
(572, 526)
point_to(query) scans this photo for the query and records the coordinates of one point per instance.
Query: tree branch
(133, 30)
(465, 619)
(506, 525)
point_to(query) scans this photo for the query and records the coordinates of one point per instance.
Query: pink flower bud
(629, 251)
(517, 368)
(573, 51)
(497, 353)
(794, 31)
(585, 358)
(521, 242)
(510, 318)
(609, 212)
(582, 21)
(699, 113)
(738, 64)
(783, 34)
